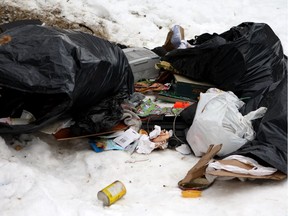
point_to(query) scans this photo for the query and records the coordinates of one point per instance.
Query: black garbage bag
(244, 59)
(270, 145)
(101, 117)
(54, 73)
(189, 113)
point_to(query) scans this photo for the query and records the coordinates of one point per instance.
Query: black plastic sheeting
(244, 59)
(248, 60)
(270, 145)
(98, 118)
(54, 73)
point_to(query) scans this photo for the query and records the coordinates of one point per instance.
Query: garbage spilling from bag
(221, 97)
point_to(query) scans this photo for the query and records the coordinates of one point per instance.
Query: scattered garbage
(127, 137)
(148, 86)
(157, 139)
(112, 193)
(132, 141)
(131, 119)
(219, 95)
(100, 145)
(149, 107)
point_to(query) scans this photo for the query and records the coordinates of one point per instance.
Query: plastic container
(191, 193)
(181, 104)
(112, 193)
(142, 62)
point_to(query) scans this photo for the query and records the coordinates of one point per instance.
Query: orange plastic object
(181, 104)
(191, 193)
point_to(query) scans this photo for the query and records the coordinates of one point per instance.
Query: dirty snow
(49, 178)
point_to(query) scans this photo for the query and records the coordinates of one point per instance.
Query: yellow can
(112, 193)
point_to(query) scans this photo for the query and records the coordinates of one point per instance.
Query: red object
(181, 104)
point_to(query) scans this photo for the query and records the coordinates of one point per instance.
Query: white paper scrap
(184, 149)
(127, 138)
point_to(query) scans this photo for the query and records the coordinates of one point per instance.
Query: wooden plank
(66, 133)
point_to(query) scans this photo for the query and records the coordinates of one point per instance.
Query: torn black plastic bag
(55, 73)
(270, 145)
(244, 59)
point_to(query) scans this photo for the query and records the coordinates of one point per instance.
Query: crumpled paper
(157, 139)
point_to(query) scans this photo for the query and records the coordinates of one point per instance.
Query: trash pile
(220, 97)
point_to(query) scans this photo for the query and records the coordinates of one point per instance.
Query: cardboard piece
(223, 173)
(198, 170)
(195, 178)
(168, 45)
(66, 133)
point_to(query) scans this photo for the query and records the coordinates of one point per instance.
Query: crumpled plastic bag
(218, 121)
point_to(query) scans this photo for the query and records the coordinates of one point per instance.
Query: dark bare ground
(51, 18)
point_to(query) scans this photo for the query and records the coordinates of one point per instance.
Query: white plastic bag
(218, 121)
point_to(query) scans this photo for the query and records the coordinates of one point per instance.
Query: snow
(146, 23)
(62, 178)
